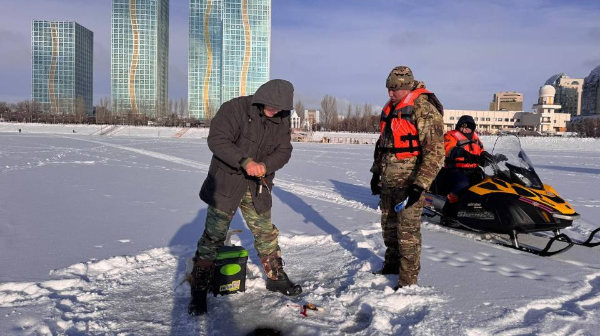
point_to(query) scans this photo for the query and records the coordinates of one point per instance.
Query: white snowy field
(95, 233)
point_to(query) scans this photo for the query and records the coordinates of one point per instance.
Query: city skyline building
(62, 67)
(229, 52)
(140, 57)
(507, 101)
(590, 97)
(568, 93)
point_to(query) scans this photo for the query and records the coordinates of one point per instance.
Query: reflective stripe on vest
(404, 133)
(472, 146)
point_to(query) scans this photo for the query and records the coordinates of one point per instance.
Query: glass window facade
(229, 52)
(140, 57)
(62, 66)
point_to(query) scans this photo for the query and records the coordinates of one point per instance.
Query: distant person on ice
(408, 156)
(464, 155)
(250, 140)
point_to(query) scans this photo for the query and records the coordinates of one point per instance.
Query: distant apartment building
(140, 57)
(590, 98)
(488, 122)
(568, 93)
(507, 101)
(544, 119)
(229, 52)
(492, 122)
(311, 119)
(62, 67)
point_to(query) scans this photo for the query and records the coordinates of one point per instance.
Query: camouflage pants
(401, 231)
(217, 224)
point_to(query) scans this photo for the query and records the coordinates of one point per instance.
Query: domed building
(546, 118)
(568, 92)
(590, 99)
(546, 96)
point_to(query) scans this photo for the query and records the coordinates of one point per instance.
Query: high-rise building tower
(229, 52)
(568, 93)
(140, 57)
(62, 67)
(590, 98)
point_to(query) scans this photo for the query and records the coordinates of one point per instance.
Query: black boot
(388, 268)
(199, 284)
(449, 212)
(277, 279)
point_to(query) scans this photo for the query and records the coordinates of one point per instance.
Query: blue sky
(464, 50)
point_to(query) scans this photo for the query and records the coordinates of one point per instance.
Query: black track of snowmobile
(545, 252)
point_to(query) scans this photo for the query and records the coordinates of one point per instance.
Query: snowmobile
(507, 197)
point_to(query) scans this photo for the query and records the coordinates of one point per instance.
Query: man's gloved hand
(486, 158)
(500, 157)
(413, 193)
(375, 187)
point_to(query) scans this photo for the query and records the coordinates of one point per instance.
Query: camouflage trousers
(402, 230)
(217, 224)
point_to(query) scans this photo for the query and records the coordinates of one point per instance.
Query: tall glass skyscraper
(229, 52)
(140, 57)
(62, 66)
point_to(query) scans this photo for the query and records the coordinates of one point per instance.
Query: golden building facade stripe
(247, 48)
(209, 56)
(51, 76)
(135, 56)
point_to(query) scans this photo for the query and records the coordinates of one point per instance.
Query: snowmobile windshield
(512, 164)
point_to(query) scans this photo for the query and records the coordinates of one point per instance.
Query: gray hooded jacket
(239, 131)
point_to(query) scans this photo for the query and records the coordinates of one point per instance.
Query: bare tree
(4, 109)
(80, 110)
(183, 109)
(329, 111)
(103, 113)
(210, 114)
(28, 111)
(299, 108)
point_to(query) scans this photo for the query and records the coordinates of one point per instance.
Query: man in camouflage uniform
(406, 179)
(250, 140)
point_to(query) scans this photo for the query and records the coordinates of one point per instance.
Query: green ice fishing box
(230, 270)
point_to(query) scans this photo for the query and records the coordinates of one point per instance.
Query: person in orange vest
(408, 157)
(464, 155)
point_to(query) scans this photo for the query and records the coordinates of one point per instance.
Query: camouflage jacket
(401, 173)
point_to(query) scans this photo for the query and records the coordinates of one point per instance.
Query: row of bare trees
(32, 111)
(174, 114)
(586, 127)
(357, 118)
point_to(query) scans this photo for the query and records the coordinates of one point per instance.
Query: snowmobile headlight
(566, 217)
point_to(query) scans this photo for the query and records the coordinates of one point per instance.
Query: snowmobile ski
(546, 251)
(588, 242)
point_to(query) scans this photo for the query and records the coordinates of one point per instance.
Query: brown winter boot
(277, 279)
(199, 284)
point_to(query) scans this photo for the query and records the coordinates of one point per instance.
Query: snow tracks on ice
(572, 314)
(142, 295)
(321, 194)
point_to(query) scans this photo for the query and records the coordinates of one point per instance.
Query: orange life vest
(454, 139)
(404, 134)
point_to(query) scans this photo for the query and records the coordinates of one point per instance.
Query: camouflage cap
(400, 78)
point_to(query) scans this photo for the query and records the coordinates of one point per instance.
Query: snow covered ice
(96, 233)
